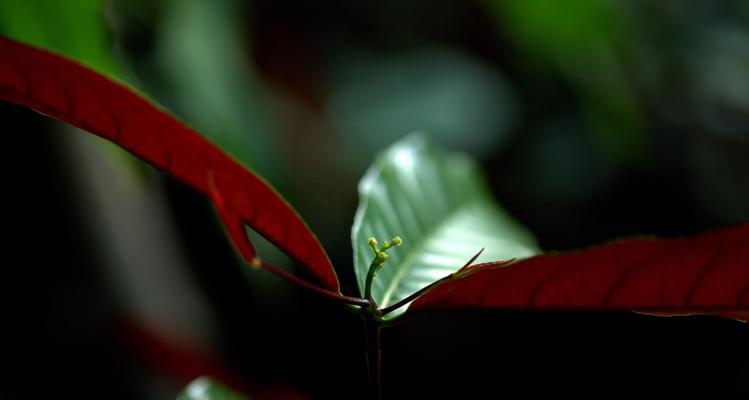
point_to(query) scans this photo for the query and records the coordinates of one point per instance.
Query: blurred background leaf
(200, 51)
(75, 28)
(443, 91)
(580, 42)
(205, 388)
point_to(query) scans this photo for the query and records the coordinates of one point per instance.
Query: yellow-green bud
(372, 241)
(397, 241)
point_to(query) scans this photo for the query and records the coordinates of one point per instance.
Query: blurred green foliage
(580, 38)
(449, 94)
(200, 51)
(205, 388)
(74, 28)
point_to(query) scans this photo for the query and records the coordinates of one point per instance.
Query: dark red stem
(314, 288)
(374, 357)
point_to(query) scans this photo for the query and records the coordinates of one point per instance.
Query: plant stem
(370, 278)
(314, 288)
(372, 331)
(413, 296)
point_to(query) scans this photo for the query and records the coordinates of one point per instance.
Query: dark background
(593, 120)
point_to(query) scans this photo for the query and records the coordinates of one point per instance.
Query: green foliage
(439, 204)
(75, 29)
(203, 59)
(205, 388)
(449, 93)
(581, 42)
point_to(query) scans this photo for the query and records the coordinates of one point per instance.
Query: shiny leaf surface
(439, 205)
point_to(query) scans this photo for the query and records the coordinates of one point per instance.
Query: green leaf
(440, 205)
(202, 55)
(205, 388)
(75, 29)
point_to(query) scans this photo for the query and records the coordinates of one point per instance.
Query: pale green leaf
(440, 205)
(205, 388)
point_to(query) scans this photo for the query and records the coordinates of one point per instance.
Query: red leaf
(701, 274)
(69, 92)
(181, 361)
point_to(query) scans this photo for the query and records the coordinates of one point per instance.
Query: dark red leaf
(181, 361)
(83, 98)
(701, 274)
